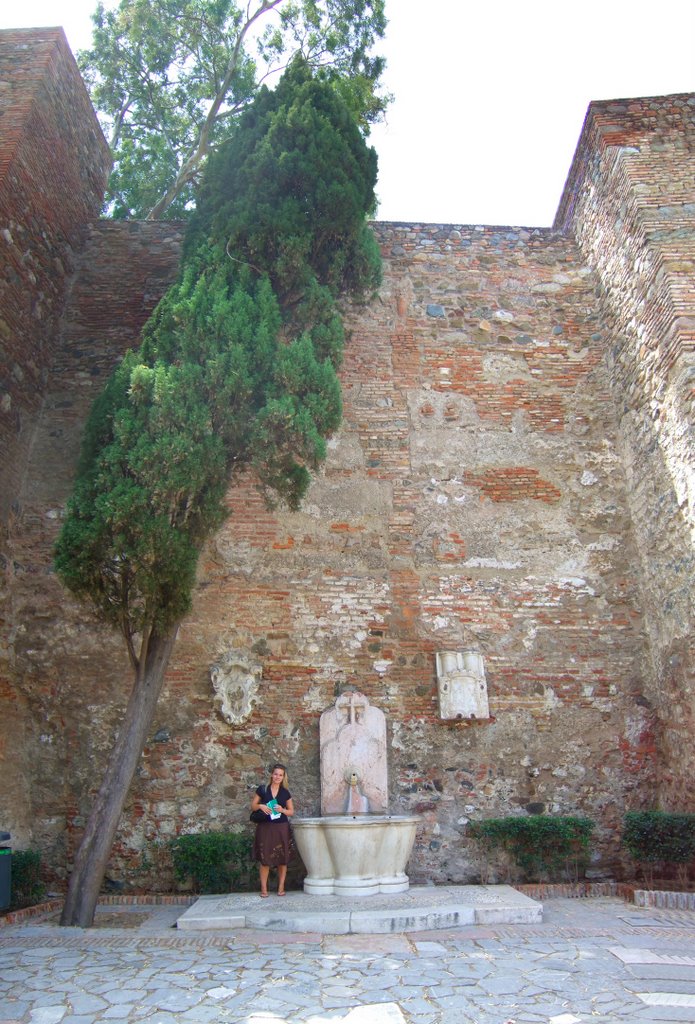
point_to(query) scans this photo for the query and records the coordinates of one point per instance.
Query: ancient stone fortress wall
(630, 201)
(475, 499)
(53, 167)
(58, 667)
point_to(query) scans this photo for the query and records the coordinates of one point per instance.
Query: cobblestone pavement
(592, 961)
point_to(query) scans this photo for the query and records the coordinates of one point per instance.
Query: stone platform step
(420, 908)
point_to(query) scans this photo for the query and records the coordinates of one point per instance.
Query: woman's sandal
(281, 892)
(263, 895)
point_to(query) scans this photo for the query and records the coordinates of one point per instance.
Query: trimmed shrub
(27, 889)
(657, 838)
(213, 862)
(542, 847)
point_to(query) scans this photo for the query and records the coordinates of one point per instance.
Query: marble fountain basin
(355, 855)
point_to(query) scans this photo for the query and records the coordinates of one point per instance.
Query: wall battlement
(513, 475)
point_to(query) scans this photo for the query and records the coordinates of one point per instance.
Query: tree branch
(190, 166)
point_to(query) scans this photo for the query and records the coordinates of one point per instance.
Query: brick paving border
(112, 900)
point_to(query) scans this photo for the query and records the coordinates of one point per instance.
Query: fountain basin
(355, 855)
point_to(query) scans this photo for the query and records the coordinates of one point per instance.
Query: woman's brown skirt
(272, 844)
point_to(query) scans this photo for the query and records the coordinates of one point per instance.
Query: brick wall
(52, 670)
(53, 167)
(485, 491)
(630, 202)
(474, 497)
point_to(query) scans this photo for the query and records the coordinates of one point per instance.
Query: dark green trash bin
(5, 871)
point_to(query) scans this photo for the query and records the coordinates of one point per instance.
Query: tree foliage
(27, 887)
(213, 861)
(237, 365)
(660, 838)
(169, 79)
(543, 847)
(237, 369)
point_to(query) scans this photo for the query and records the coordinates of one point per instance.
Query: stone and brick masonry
(511, 476)
(53, 160)
(630, 202)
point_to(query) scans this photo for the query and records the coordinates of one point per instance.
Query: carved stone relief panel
(462, 685)
(352, 736)
(236, 680)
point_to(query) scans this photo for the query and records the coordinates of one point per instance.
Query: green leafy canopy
(169, 79)
(236, 367)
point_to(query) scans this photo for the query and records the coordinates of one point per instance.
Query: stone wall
(501, 483)
(473, 499)
(53, 168)
(630, 202)
(57, 655)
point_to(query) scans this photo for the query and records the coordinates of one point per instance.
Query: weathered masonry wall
(630, 201)
(53, 167)
(511, 477)
(60, 666)
(473, 499)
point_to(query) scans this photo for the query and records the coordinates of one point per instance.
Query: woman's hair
(285, 780)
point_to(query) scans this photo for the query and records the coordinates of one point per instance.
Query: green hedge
(542, 847)
(214, 862)
(26, 888)
(657, 838)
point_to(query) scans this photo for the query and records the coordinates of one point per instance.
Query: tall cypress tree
(237, 369)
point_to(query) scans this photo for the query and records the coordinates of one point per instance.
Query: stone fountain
(356, 848)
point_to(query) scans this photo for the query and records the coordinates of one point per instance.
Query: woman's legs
(264, 871)
(282, 874)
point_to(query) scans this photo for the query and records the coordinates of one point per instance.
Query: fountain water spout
(355, 802)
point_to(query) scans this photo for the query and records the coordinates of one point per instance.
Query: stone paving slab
(581, 965)
(649, 956)
(666, 998)
(420, 908)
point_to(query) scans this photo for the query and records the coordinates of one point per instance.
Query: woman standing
(272, 842)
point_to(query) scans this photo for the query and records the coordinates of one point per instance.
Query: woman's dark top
(265, 793)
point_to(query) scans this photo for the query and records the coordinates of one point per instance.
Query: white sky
(490, 95)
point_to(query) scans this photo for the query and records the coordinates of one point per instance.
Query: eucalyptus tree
(236, 371)
(169, 79)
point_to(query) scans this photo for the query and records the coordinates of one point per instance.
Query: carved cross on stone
(353, 704)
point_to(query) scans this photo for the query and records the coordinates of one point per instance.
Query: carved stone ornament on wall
(236, 682)
(462, 685)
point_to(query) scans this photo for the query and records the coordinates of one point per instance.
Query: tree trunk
(95, 848)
